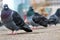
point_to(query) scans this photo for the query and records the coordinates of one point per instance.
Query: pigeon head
(31, 8)
(6, 7)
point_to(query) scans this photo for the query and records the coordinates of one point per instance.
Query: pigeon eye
(5, 7)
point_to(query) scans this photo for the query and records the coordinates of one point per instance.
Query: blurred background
(22, 6)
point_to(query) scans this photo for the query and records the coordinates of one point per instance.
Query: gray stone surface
(49, 33)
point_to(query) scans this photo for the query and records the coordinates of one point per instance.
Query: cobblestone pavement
(49, 33)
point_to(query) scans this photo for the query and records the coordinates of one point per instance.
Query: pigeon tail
(26, 28)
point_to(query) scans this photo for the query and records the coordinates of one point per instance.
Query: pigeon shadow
(23, 33)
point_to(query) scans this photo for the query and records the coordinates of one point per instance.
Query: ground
(49, 33)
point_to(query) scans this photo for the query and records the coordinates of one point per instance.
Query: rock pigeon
(58, 12)
(12, 20)
(55, 18)
(39, 19)
(30, 14)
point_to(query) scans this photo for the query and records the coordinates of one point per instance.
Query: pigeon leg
(13, 33)
(34, 28)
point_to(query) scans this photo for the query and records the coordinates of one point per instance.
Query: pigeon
(40, 19)
(30, 14)
(13, 21)
(58, 12)
(53, 20)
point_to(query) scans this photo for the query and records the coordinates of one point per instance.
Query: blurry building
(49, 6)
